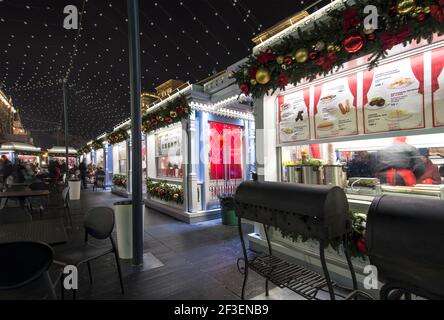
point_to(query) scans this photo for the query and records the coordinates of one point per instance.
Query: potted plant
(227, 209)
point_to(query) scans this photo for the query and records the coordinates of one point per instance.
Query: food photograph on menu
(294, 116)
(393, 96)
(335, 108)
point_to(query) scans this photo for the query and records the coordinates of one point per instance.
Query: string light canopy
(180, 39)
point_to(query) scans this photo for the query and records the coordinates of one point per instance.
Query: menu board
(438, 87)
(335, 108)
(294, 117)
(393, 96)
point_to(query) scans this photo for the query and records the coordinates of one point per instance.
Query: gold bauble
(263, 76)
(280, 59)
(331, 48)
(405, 7)
(419, 10)
(301, 55)
(253, 82)
(427, 9)
(338, 48)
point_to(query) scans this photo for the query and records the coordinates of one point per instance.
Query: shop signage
(294, 117)
(394, 96)
(407, 94)
(336, 108)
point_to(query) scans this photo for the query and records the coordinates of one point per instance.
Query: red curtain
(281, 101)
(437, 67)
(317, 96)
(368, 79)
(225, 151)
(353, 84)
(417, 63)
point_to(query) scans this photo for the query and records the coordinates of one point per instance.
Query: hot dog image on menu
(393, 96)
(335, 108)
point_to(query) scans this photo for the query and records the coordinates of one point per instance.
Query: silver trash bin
(124, 228)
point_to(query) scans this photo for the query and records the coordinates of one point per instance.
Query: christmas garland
(120, 180)
(165, 192)
(357, 245)
(166, 115)
(118, 136)
(328, 45)
(97, 144)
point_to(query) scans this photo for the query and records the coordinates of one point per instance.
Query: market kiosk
(198, 143)
(343, 110)
(18, 151)
(58, 153)
(118, 165)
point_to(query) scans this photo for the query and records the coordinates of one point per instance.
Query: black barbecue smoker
(311, 211)
(405, 239)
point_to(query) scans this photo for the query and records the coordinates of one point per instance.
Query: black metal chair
(24, 270)
(99, 182)
(66, 208)
(99, 224)
(40, 202)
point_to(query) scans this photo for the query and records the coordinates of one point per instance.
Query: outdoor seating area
(209, 250)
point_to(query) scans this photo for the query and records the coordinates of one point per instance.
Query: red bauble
(288, 61)
(393, 8)
(244, 88)
(421, 17)
(313, 55)
(353, 44)
(283, 80)
(371, 37)
(362, 246)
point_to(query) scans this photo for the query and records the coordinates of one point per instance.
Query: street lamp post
(65, 111)
(136, 130)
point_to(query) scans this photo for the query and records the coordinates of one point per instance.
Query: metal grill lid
(405, 238)
(309, 210)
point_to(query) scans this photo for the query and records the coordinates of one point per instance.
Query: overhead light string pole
(136, 130)
(65, 112)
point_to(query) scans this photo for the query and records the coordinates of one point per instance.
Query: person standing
(399, 164)
(83, 172)
(8, 168)
(431, 174)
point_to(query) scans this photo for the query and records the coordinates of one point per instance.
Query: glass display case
(168, 157)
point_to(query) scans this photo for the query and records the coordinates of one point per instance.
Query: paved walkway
(199, 261)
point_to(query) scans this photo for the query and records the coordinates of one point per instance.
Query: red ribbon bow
(265, 56)
(327, 62)
(437, 11)
(390, 39)
(283, 80)
(350, 19)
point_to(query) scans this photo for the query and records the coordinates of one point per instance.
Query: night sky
(185, 40)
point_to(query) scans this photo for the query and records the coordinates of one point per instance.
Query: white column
(194, 193)
(266, 153)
